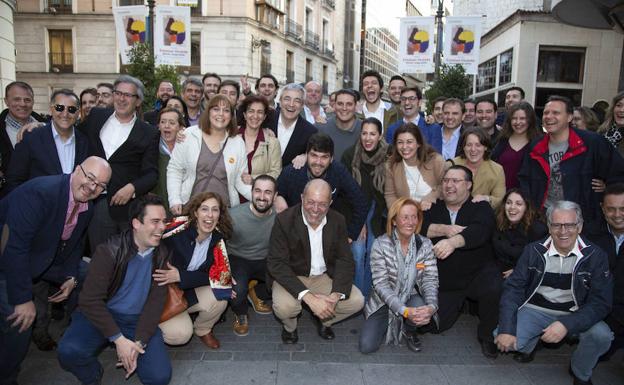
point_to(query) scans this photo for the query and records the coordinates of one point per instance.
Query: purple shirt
(511, 160)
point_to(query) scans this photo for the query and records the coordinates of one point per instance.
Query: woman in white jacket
(211, 158)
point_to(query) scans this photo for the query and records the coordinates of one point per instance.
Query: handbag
(175, 302)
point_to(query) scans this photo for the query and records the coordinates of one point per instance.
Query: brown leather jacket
(106, 274)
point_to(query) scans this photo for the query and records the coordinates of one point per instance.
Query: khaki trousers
(179, 329)
(287, 307)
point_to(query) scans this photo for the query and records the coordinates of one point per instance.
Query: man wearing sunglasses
(43, 224)
(57, 148)
(131, 147)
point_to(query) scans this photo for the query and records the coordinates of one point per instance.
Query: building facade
(73, 44)
(7, 47)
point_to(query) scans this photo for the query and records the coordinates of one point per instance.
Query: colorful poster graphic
(416, 44)
(172, 26)
(131, 28)
(462, 37)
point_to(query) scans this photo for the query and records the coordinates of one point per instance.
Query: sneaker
(258, 305)
(240, 325)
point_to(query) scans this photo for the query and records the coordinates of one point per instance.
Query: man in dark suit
(291, 129)
(19, 98)
(310, 261)
(43, 223)
(57, 148)
(131, 147)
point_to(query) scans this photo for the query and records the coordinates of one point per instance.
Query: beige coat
(489, 180)
(268, 157)
(396, 182)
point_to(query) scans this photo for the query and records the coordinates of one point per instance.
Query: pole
(438, 57)
(150, 5)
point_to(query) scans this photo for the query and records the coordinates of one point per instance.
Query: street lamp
(151, 4)
(438, 56)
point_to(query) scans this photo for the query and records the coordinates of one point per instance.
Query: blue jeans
(593, 342)
(363, 278)
(13, 344)
(82, 342)
(376, 325)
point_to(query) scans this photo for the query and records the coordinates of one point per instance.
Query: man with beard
(344, 128)
(248, 249)
(486, 119)
(164, 92)
(104, 95)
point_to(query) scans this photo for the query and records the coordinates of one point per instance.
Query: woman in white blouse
(414, 169)
(212, 157)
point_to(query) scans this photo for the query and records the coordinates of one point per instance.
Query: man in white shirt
(310, 261)
(314, 113)
(371, 86)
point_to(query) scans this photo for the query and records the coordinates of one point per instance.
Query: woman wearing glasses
(212, 157)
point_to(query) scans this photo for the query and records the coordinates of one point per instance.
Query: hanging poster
(172, 35)
(130, 25)
(416, 44)
(462, 38)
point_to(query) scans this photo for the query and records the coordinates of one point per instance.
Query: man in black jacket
(131, 148)
(460, 230)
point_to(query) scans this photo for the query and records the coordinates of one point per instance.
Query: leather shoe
(524, 358)
(326, 332)
(489, 349)
(44, 342)
(413, 342)
(210, 340)
(289, 337)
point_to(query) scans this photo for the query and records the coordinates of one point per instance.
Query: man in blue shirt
(121, 302)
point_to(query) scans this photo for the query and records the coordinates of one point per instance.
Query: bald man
(310, 260)
(312, 109)
(43, 225)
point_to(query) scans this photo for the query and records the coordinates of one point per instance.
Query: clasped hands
(420, 315)
(445, 247)
(323, 306)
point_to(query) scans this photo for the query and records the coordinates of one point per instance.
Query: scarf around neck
(377, 159)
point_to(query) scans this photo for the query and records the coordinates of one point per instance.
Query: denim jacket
(592, 287)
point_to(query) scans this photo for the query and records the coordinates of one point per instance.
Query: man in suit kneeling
(310, 261)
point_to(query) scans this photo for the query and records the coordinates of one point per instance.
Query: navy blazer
(298, 142)
(34, 217)
(6, 147)
(36, 155)
(182, 246)
(135, 161)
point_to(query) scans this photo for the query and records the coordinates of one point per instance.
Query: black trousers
(485, 288)
(243, 270)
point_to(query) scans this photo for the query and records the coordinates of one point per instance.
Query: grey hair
(564, 205)
(140, 89)
(313, 82)
(294, 87)
(193, 81)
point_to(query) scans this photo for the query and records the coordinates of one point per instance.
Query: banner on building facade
(416, 44)
(462, 38)
(130, 24)
(172, 35)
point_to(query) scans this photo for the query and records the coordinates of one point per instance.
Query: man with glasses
(19, 98)
(460, 230)
(44, 222)
(105, 95)
(559, 288)
(131, 147)
(310, 262)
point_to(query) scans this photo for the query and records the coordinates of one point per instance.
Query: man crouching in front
(121, 303)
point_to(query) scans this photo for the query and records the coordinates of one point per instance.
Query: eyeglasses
(104, 95)
(409, 98)
(124, 94)
(452, 180)
(93, 181)
(566, 226)
(317, 205)
(61, 107)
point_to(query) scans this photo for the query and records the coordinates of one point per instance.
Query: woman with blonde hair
(405, 281)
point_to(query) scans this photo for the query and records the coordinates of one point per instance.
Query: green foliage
(453, 83)
(143, 68)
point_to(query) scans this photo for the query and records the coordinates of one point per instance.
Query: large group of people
(141, 229)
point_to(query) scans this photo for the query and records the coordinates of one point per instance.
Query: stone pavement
(260, 358)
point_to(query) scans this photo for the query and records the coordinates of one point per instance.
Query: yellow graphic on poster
(131, 28)
(462, 37)
(172, 31)
(416, 44)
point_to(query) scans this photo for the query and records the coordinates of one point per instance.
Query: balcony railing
(312, 39)
(290, 76)
(61, 62)
(292, 29)
(60, 6)
(328, 49)
(331, 4)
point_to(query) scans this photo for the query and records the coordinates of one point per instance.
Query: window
(197, 9)
(61, 58)
(60, 6)
(265, 59)
(195, 53)
(561, 65)
(267, 13)
(308, 73)
(542, 94)
(325, 85)
(506, 63)
(290, 65)
(131, 2)
(486, 79)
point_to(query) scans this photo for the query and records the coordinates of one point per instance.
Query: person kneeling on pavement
(405, 281)
(559, 288)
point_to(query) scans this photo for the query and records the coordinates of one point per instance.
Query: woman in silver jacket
(405, 281)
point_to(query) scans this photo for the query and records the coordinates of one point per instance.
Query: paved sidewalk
(260, 358)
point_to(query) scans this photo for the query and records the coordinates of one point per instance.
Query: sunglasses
(60, 108)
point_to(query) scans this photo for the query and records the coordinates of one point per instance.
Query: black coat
(135, 161)
(298, 142)
(6, 147)
(509, 244)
